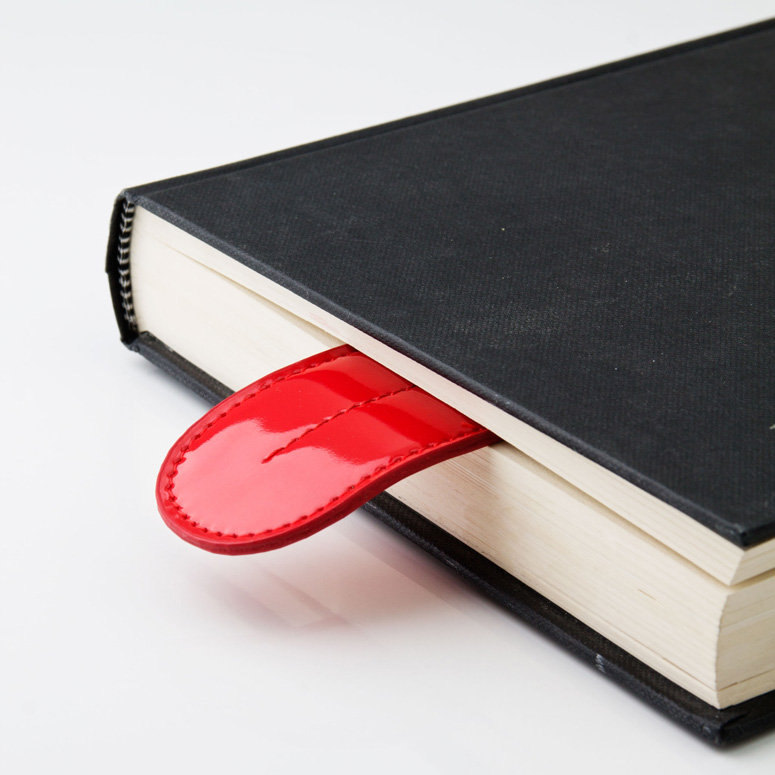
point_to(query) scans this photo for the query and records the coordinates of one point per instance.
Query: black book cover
(593, 255)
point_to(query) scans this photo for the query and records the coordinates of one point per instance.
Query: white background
(122, 648)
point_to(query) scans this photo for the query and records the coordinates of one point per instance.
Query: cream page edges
(611, 555)
(703, 547)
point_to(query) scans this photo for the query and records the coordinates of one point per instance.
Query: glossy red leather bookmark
(302, 448)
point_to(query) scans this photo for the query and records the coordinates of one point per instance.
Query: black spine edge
(178, 367)
(118, 269)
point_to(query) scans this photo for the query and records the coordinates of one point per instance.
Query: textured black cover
(720, 727)
(595, 255)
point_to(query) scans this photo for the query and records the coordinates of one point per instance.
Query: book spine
(118, 268)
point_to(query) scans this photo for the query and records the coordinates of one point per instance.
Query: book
(584, 267)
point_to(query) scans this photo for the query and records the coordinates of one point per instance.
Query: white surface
(122, 648)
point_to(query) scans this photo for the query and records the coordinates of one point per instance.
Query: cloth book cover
(579, 253)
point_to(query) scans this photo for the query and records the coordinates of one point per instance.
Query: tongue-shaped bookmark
(302, 448)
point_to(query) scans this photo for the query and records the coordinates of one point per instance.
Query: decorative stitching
(333, 417)
(263, 386)
(169, 487)
(124, 278)
(379, 469)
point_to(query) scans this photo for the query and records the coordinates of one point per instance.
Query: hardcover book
(586, 268)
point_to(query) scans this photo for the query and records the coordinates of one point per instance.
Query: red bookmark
(302, 448)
